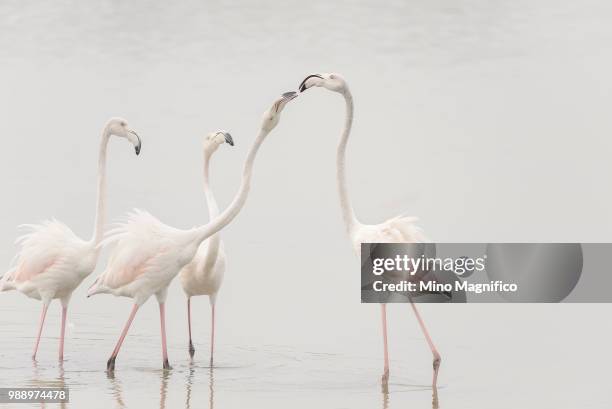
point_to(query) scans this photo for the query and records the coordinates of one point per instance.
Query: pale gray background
(490, 120)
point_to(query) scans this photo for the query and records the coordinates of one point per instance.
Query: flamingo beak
(280, 104)
(138, 144)
(288, 96)
(303, 86)
(228, 138)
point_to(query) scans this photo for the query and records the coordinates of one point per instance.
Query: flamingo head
(213, 140)
(331, 81)
(119, 127)
(272, 115)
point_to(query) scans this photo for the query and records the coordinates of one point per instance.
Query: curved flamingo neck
(348, 214)
(98, 231)
(214, 242)
(219, 222)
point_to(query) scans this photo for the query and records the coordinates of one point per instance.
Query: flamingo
(53, 260)
(204, 274)
(148, 254)
(399, 229)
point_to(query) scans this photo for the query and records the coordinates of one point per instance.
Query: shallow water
(489, 120)
(263, 376)
(530, 356)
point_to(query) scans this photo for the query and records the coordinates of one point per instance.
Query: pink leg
(383, 310)
(212, 335)
(40, 328)
(191, 348)
(436, 356)
(162, 318)
(110, 365)
(434, 398)
(61, 347)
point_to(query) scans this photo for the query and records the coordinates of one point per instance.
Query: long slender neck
(348, 214)
(98, 231)
(219, 222)
(214, 242)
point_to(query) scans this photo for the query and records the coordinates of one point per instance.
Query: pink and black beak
(303, 87)
(228, 138)
(279, 105)
(138, 144)
(288, 96)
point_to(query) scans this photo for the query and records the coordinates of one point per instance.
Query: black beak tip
(137, 149)
(229, 139)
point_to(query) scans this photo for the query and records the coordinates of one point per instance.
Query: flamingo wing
(140, 243)
(406, 229)
(50, 244)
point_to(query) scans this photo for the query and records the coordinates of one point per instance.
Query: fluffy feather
(49, 253)
(400, 229)
(142, 244)
(48, 246)
(406, 225)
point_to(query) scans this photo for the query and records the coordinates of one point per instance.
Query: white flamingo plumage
(53, 260)
(396, 230)
(149, 254)
(204, 274)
